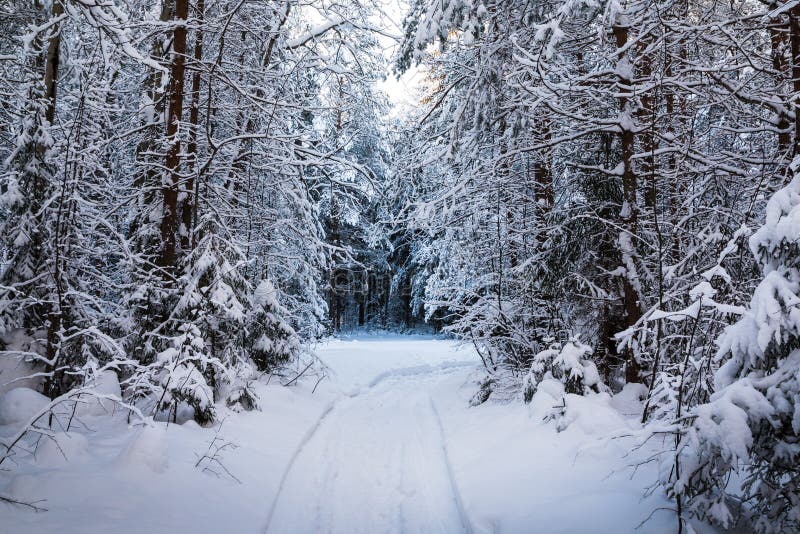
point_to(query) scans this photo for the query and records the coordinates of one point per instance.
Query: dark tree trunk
(190, 203)
(169, 217)
(630, 297)
(779, 34)
(647, 115)
(543, 181)
(794, 37)
(52, 63)
(55, 313)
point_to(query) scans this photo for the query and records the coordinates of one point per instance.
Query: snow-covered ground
(387, 444)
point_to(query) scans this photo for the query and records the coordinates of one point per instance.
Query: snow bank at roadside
(116, 478)
(548, 466)
(18, 405)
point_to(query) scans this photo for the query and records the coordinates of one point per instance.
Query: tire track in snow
(416, 370)
(378, 380)
(453, 484)
(298, 450)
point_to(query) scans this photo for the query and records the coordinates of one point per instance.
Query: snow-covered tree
(271, 340)
(570, 364)
(751, 424)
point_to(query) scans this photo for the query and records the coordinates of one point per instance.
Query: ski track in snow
(376, 461)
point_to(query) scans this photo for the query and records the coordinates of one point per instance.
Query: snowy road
(400, 451)
(388, 444)
(376, 463)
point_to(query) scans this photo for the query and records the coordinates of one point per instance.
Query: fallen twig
(32, 505)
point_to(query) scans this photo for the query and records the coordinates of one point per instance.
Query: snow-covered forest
(217, 218)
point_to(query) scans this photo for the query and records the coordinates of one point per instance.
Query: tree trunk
(55, 313)
(543, 182)
(794, 37)
(190, 203)
(646, 115)
(778, 35)
(628, 217)
(169, 217)
(52, 63)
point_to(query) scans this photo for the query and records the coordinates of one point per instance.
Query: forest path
(389, 444)
(377, 460)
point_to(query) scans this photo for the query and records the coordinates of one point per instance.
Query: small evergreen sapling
(570, 364)
(182, 376)
(272, 340)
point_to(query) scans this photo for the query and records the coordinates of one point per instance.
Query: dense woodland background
(192, 192)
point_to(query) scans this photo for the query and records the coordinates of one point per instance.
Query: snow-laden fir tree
(751, 425)
(569, 363)
(27, 179)
(204, 360)
(271, 340)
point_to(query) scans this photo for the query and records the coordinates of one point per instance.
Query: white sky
(402, 93)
